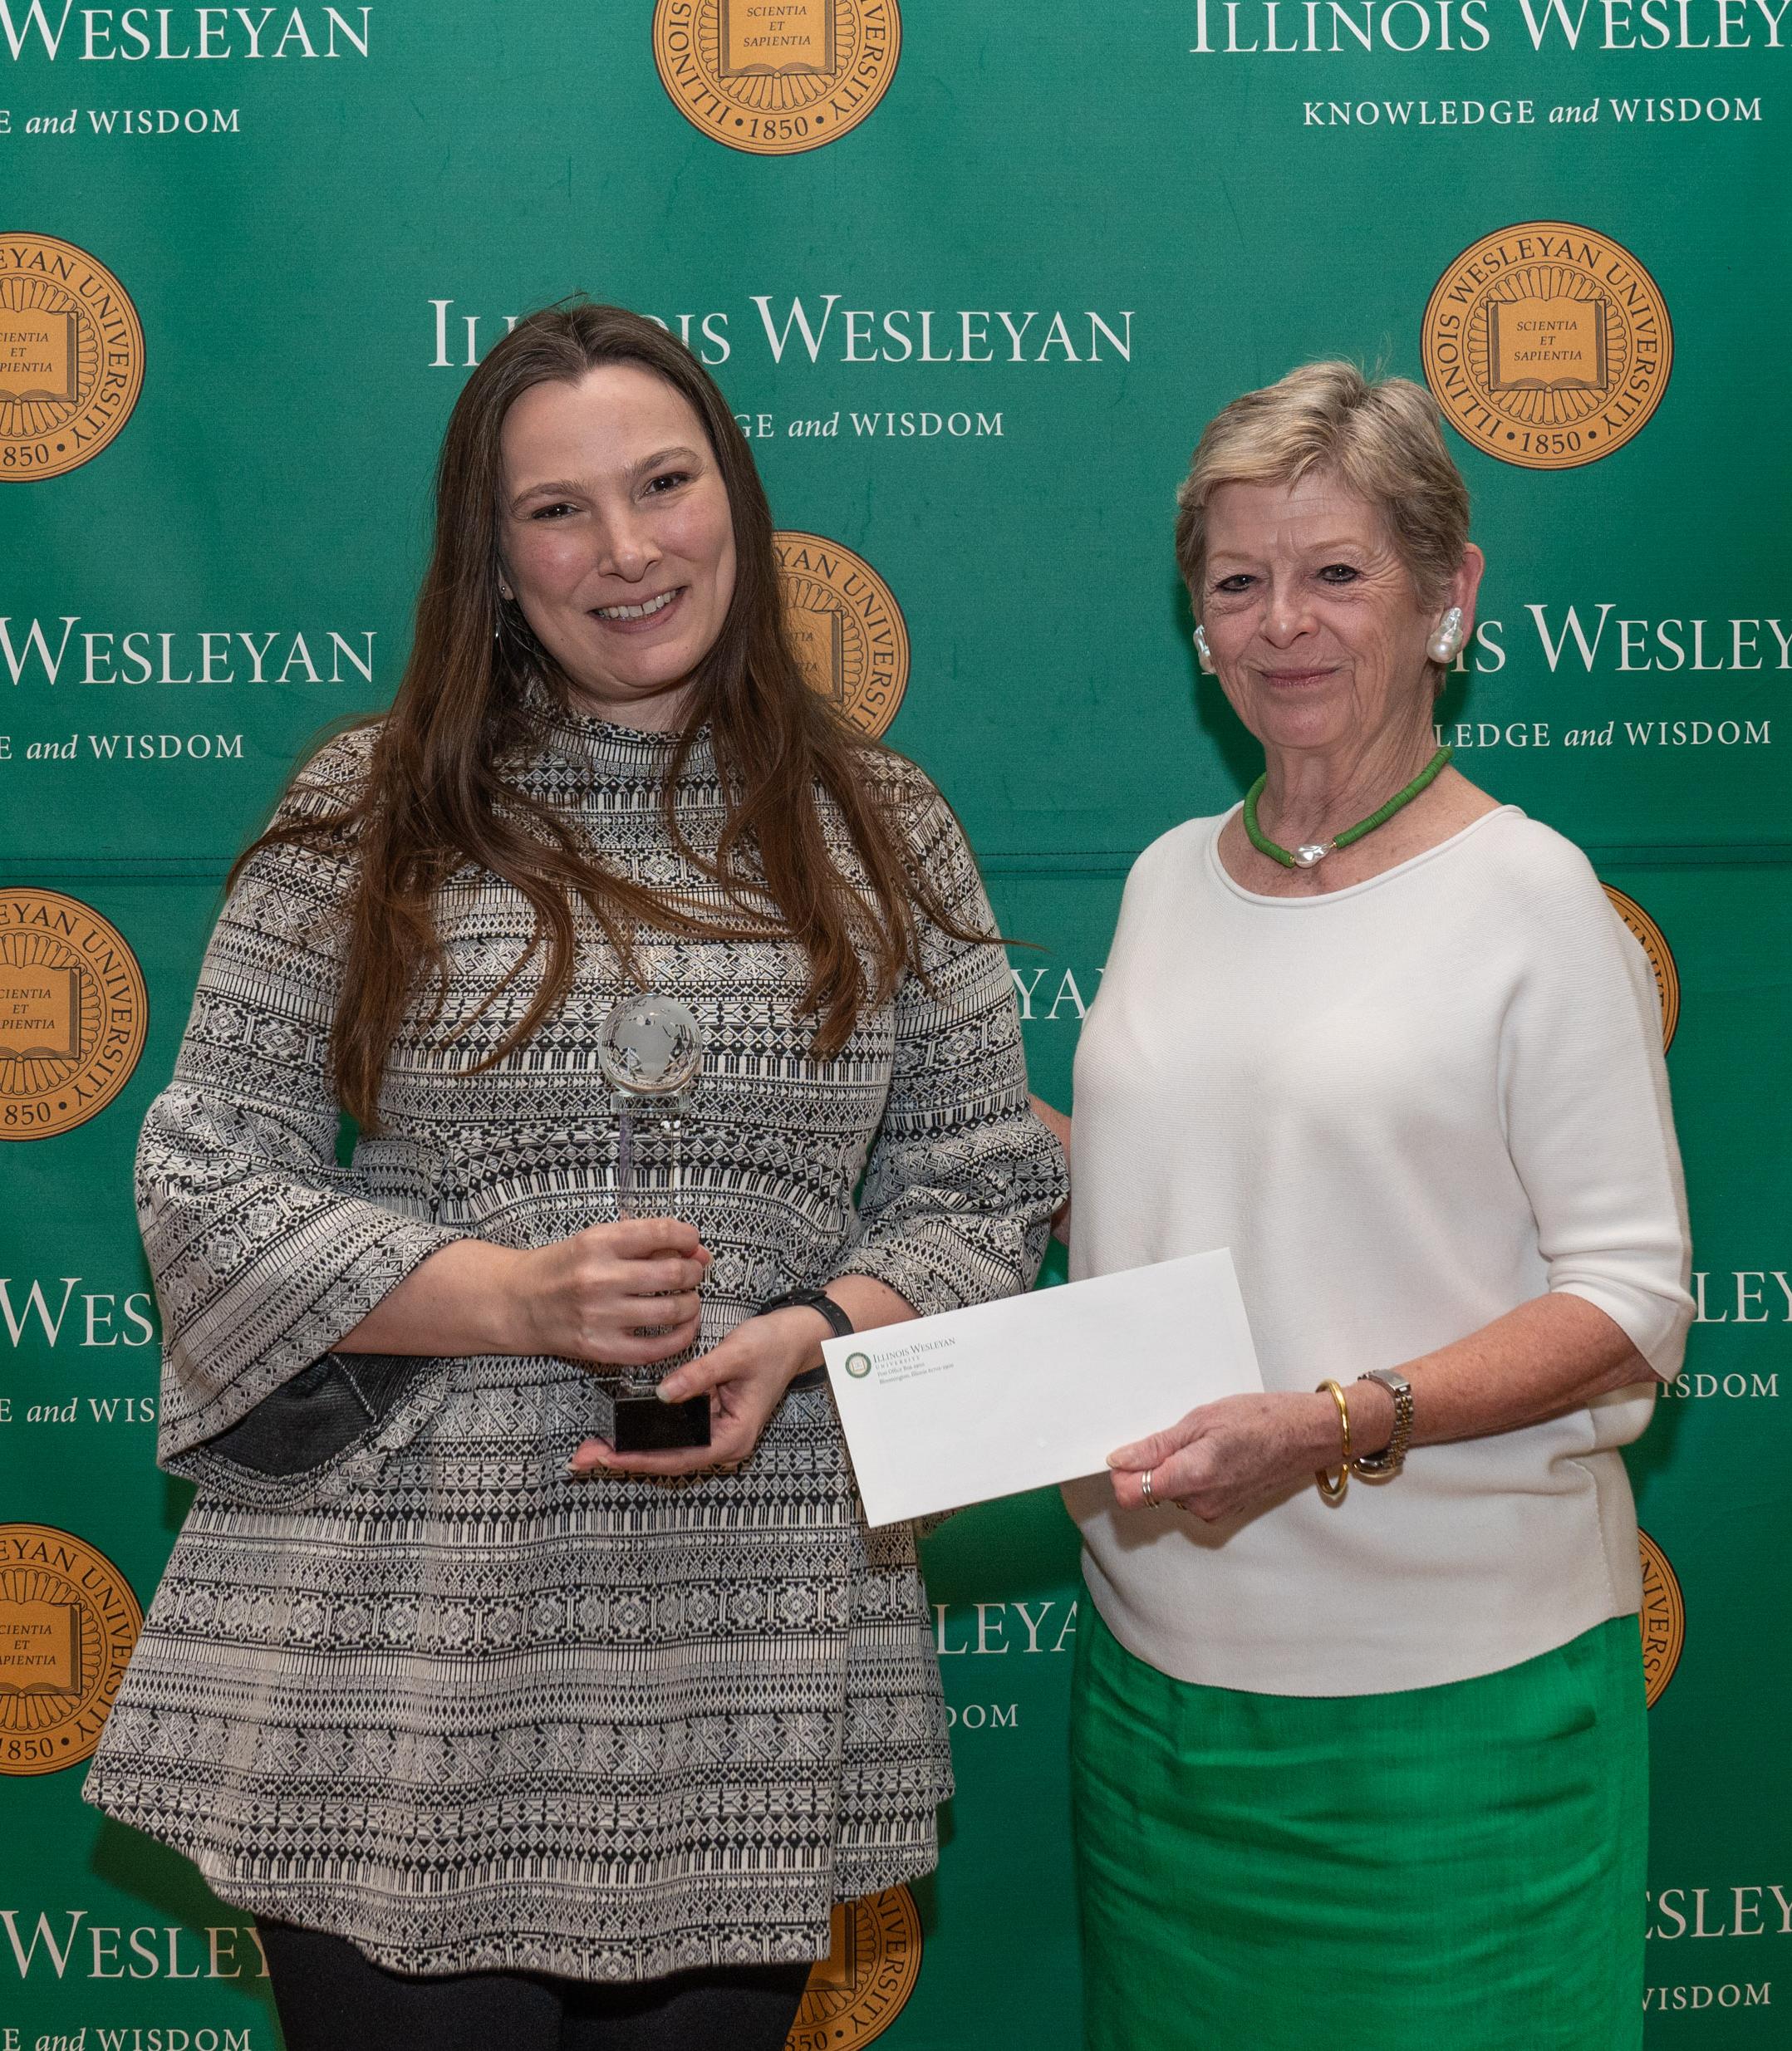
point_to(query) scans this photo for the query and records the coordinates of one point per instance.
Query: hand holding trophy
(650, 1051)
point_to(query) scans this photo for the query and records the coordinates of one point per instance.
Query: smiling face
(1316, 631)
(615, 535)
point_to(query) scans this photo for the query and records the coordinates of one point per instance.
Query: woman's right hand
(620, 1295)
(623, 1295)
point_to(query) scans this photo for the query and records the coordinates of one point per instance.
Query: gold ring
(1145, 1489)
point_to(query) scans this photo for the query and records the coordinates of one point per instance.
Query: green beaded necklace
(1310, 852)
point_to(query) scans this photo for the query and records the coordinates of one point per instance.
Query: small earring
(504, 591)
(1445, 644)
(1203, 653)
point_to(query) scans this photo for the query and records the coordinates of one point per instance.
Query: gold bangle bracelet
(1333, 1491)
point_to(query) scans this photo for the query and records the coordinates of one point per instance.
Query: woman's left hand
(745, 1378)
(1227, 1456)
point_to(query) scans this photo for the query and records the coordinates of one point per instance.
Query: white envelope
(1038, 1389)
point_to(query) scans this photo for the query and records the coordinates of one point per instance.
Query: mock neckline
(607, 744)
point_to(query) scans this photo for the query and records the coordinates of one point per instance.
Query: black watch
(811, 1299)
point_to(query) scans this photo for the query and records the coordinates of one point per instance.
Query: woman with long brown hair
(510, 1737)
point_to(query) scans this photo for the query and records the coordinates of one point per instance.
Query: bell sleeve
(264, 1248)
(962, 1179)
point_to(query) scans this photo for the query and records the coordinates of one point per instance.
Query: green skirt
(1457, 1868)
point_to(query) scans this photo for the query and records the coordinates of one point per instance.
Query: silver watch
(1392, 1457)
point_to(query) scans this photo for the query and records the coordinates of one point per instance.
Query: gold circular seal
(1661, 959)
(846, 626)
(858, 1991)
(68, 1619)
(1664, 1620)
(74, 1014)
(71, 357)
(776, 77)
(1547, 345)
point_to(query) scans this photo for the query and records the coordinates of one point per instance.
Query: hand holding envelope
(1035, 1389)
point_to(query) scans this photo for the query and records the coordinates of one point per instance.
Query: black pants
(332, 1997)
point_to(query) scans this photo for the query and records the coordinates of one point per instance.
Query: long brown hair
(439, 790)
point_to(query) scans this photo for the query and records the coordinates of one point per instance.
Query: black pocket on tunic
(321, 1411)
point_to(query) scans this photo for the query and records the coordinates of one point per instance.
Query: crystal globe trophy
(650, 1051)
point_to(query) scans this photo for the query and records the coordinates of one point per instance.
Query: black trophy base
(645, 1424)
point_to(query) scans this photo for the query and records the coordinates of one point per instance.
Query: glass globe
(650, 1047)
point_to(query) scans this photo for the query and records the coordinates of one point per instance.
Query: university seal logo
(1664, 1620)
(849, 631)
(858, 1991)
(68, 1620)
(71, 357)
(74, 1014)
(1547, 345)
(1654, 943)
(776, 77)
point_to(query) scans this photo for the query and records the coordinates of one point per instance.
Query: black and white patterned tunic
(429, 1692)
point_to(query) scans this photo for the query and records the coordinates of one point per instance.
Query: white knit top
(1407, 1108)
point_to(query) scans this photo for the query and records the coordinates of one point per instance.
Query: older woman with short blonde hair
(1359, 1754)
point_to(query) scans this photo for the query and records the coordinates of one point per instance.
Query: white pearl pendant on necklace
(1309, 853)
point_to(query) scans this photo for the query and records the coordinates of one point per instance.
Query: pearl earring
(504, 591)
(1445, 644)
(1203, 653)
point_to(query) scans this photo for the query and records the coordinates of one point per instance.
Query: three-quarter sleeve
(962, 1180)
(264, 1249)
(1584, 1096)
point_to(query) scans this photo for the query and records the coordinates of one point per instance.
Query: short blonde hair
(1384, 441)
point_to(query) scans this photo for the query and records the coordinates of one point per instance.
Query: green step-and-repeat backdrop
(974, 276)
